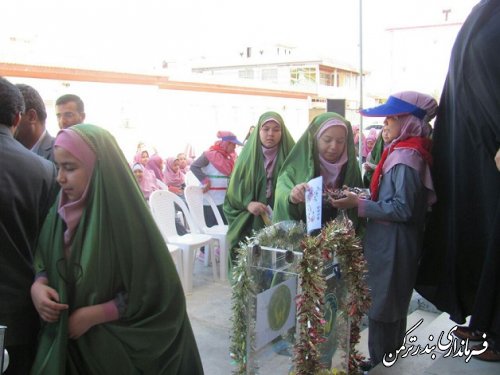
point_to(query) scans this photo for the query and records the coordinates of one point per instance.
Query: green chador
(249, 182)
(116, 250)
(375, 156)
(302, 165)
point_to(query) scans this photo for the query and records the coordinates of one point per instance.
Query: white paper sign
(313, 204)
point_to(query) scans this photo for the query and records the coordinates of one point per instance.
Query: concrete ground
(209, 310)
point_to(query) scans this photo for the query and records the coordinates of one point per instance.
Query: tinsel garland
(338, 239)
(309, 309)
(242, 288)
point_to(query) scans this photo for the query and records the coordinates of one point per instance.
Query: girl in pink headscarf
(146, 183)
(155, 165)
(174, 178)
(213, 168)
(368, 144)
(401, 192)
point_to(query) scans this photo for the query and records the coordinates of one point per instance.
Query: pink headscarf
(173, 178)
(372, 136)
(270, 153)
(148, 184)
(71, 212)
(412, 126)
(138, 156)
(269, 159)
(355, 132)
(331, 171)
(219, 156)
(154, 165)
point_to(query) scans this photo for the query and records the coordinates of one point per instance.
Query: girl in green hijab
(252, 183)
(106, 287)
(326, 148)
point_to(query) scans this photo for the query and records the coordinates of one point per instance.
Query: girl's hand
(82, 319)
(257, 208)
(46, 301)
(298, 193)
(369, 166)
(175, 190)
(206, 186)
(351, 200)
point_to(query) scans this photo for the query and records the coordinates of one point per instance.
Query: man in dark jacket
(27, 190)
(31, 131)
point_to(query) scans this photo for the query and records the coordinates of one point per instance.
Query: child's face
(144, 158)
(139, 174)
(230, 148)
(393, 127)
(385, 135)
(176, 166)
(72, 175)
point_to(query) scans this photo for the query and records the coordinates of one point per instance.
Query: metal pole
(360, 138)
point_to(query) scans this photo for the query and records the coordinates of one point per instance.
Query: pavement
(209, 310)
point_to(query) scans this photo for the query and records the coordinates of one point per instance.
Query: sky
(131, 35)
(146, 32)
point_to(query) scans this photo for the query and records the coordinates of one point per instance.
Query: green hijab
(116, 249)
(376, 155)
(248, 182)
(302, 165)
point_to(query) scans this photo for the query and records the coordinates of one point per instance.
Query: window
(246, 73)
(270, 74)
(303, 76)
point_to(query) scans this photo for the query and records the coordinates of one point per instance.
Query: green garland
(338, 239)
(310, 315)
(243, 287)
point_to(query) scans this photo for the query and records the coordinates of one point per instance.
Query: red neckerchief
(419, 144)
(220, 159)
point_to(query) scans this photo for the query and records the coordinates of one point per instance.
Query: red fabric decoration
(419, 144)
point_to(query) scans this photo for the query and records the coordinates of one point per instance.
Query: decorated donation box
(291, 305)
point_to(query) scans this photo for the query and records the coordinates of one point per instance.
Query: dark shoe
(490, 355)
(365, 366)
(467, 333)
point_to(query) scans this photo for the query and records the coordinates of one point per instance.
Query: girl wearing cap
(106, 285)
(251, 188)
(326, 148)
(213, 169)
(401, 192)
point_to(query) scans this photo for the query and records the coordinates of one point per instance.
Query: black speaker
(336, 105)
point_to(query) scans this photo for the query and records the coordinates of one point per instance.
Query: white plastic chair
(195, 199)
(176, 253)
(162, 203)
(191, 179)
